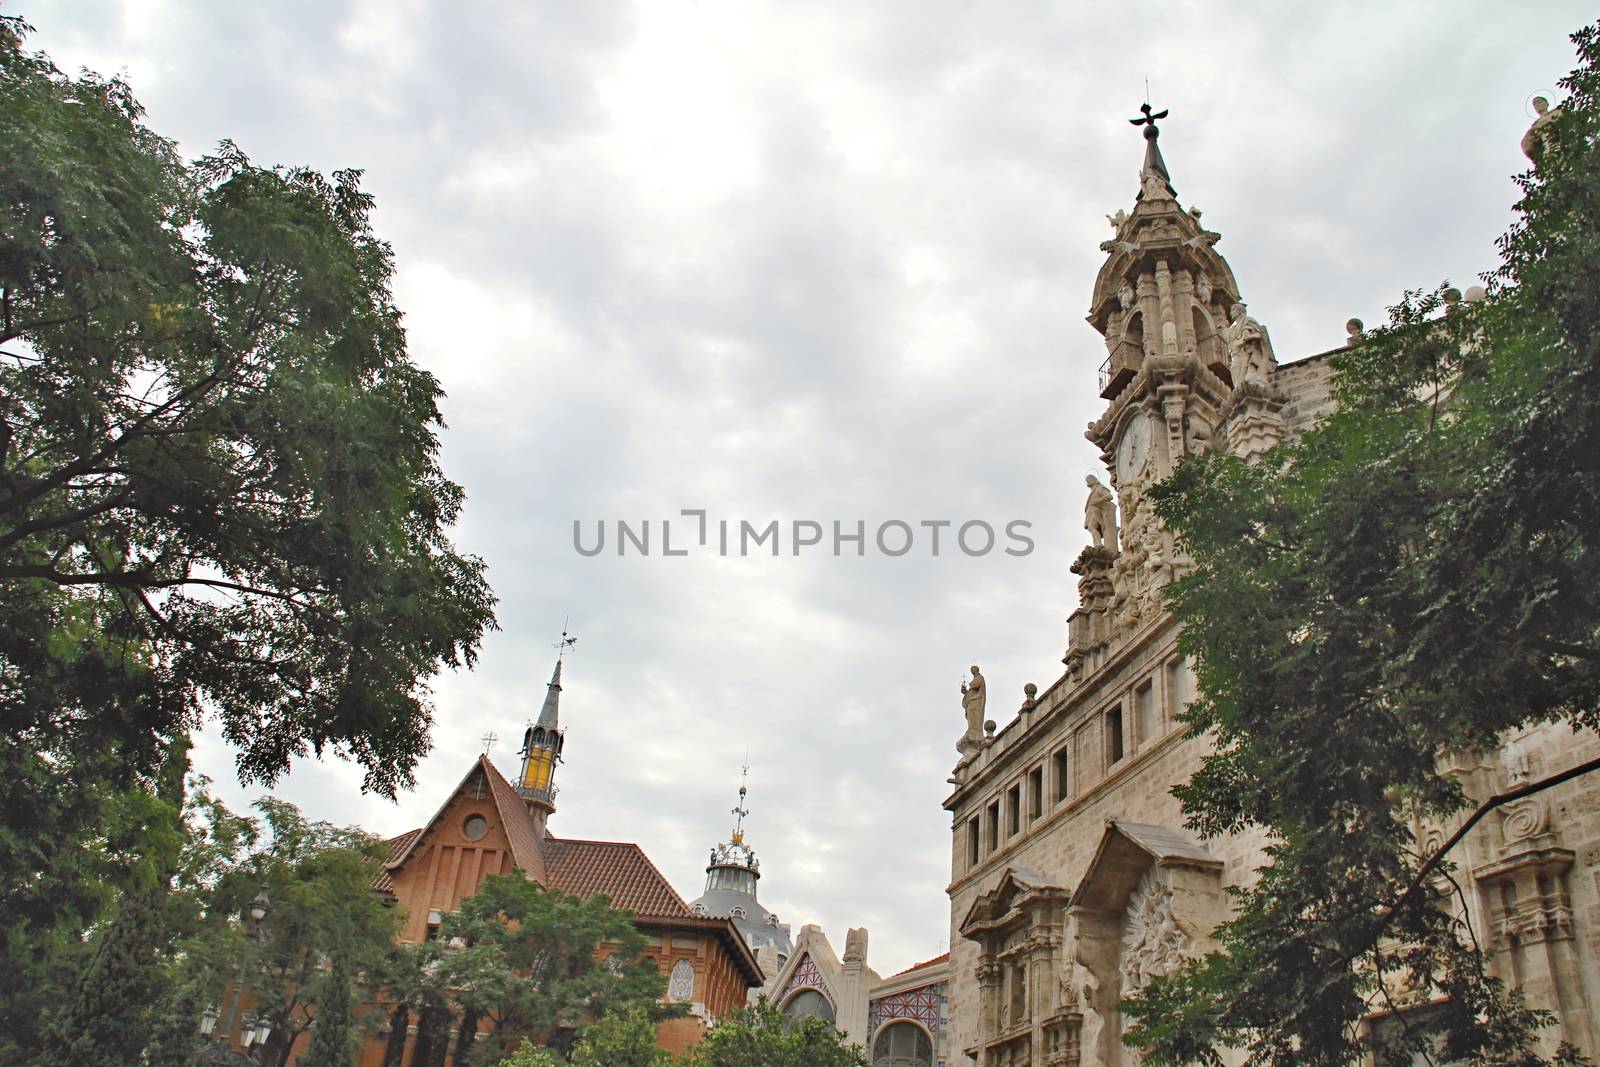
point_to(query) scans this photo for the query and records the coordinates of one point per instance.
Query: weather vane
(564, 645)
(488, 740)
(1147, 119)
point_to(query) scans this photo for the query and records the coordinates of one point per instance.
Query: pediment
(1016, 888)
(1125, 852)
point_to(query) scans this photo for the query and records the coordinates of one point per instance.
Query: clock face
(1134, 447)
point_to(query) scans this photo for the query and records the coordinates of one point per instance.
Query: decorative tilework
(805, 976)
(926, 1005)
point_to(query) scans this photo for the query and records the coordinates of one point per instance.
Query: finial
(1154, 165)
(488, 741)
(741, 811)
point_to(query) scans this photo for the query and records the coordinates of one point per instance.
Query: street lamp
(257, 911)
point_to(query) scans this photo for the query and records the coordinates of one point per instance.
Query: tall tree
(219, 483)
(332, 1031)
(1417, 575)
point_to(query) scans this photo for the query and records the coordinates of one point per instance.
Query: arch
(902, 1043)
(809, 1002)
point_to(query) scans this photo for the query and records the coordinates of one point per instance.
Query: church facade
(1073, 879)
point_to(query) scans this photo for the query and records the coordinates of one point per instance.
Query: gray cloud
(822, 261)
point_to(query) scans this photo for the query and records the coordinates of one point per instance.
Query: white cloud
(821, 261)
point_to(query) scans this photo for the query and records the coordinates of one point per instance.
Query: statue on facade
(973, 697)
(1537, 139)
(1100, 514)
(1250, 356)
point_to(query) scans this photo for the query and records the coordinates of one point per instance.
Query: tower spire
(544, 740)
(741, 811)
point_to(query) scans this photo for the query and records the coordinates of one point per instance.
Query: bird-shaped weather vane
(1147, 119)
(564, 645)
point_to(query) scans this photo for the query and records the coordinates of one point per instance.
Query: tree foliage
(1416, 576)
(523, 959)
(219, 487)
(762, 1036)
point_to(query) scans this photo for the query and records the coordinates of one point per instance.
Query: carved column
(1089, 628)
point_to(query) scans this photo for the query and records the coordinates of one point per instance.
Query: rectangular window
(1063, 768)
(992, 817)
(1035, 793)
(1180, 686)
(1013, 810)
(974, 842)
(1114, 734)
(1144, 709)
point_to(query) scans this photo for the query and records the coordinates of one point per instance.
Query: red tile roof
(925, 963)
(619, 869)
(384, 883)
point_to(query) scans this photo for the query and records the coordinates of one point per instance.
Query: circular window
(475, 827)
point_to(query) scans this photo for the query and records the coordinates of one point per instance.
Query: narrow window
(1035, 793)
(1063, 767)
(1144, 707)
(993, 819)
(973, 841)
(1114, 734)
(1180, 686)
(1013, 810)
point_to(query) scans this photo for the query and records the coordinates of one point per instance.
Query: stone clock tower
(1186, 369)
(1074, 879)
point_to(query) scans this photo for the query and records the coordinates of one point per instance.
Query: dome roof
(758, 925)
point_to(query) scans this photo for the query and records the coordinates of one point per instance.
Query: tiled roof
(384, 883)
(619, 869)
(925, 963)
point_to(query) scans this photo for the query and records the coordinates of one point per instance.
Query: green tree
(219, 483)
(325, 923)
(332, 1035)
(525, 961)
(620, 1041)
(1413, 578)
(762, 1036)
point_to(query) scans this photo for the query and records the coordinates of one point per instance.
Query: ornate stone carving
(1154, 942)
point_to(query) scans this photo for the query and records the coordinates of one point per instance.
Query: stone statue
(1100, 514)
(1537, 139)
(973, 696)
(1125, 297)
(1250, 356)
(1117, 220)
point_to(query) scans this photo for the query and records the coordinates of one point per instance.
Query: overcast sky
(824, 261)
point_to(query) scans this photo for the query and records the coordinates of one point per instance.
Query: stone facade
(1072, 879)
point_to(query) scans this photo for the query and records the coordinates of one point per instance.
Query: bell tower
(1186, 370)
(541, 751)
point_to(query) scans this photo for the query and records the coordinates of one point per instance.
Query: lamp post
(256, 913)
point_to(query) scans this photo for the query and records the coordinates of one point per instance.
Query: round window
(475, 827)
